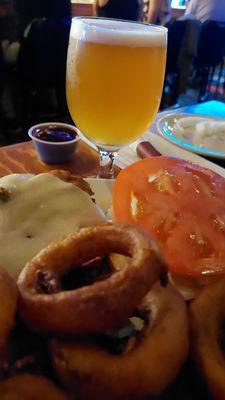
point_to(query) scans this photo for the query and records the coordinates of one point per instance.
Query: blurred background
(34, 38)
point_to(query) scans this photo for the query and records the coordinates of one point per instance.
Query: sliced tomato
(182, 205)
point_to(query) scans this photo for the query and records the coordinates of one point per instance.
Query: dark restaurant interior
(34, 39)
(112, 200)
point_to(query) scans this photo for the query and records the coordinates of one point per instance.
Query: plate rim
(185, 145)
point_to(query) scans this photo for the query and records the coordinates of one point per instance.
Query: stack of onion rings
(105, 304)
(147, 369)
(8, 301)
(207, 315)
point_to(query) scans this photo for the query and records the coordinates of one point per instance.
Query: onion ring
(207, 315)
(103, 305)
(30, 387)
(8, 300)
(147, 369)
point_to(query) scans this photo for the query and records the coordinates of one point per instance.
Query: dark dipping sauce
(54, 133)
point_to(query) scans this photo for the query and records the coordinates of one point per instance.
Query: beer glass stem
(106, 169)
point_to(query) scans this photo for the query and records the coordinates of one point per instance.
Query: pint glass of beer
(115, 73)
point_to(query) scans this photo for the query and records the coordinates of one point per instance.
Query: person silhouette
(126, 9)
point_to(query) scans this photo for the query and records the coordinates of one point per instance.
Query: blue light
(189, 146)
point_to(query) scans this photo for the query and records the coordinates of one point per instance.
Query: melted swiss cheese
(39, 209)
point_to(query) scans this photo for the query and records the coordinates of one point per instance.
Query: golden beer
(115, 74)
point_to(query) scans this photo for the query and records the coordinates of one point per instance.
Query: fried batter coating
(146, 369)
(207, 316)
(76, 180)
(103, 305)
(30, 387)
(8, 304)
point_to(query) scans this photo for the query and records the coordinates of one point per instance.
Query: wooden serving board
(22, 158)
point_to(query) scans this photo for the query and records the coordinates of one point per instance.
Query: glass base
(106, 167)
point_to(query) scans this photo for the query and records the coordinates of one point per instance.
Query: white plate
(168, 127)
(102, 189)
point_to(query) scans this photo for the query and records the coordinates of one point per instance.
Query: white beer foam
(118, 32)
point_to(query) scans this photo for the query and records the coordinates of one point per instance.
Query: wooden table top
(22, 158)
